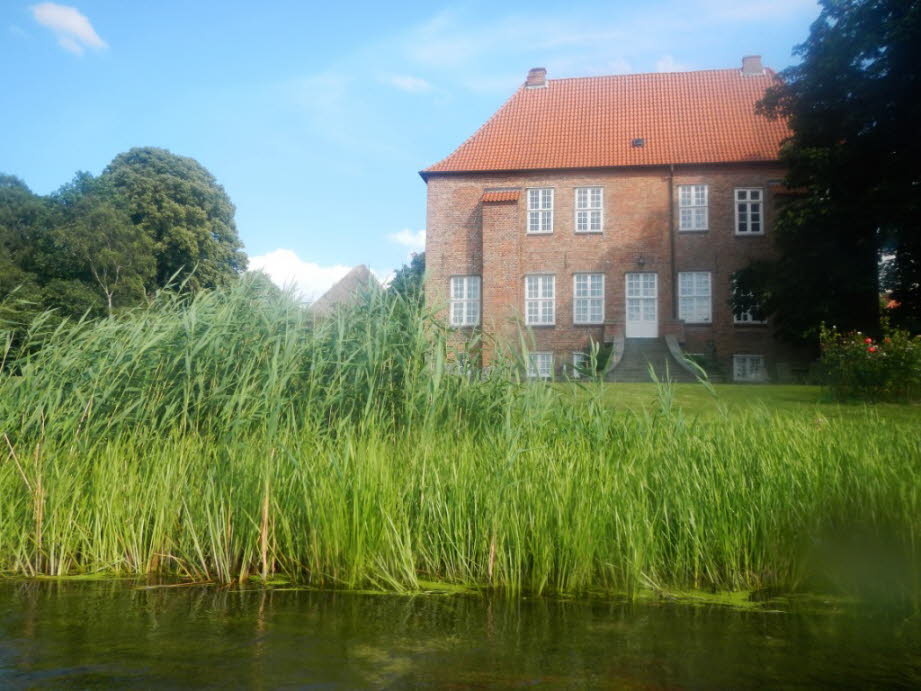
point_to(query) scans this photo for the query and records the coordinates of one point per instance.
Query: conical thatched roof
(346, 290)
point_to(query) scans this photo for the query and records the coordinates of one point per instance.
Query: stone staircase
(639, 353)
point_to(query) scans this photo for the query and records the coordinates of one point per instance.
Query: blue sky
(316, 117)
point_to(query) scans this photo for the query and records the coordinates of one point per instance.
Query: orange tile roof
(588, 122)
(501, 196)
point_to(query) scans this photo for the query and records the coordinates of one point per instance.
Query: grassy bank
(229, 438)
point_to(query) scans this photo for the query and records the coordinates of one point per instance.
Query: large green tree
(98, 244)
(409, 280)
(179, 205)
(854, 162)
(93, 241)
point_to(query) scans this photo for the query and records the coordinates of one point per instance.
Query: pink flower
(872, 349)
(868, 340)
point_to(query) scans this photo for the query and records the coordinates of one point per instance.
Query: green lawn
(694, 399)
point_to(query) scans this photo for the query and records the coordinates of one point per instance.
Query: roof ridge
(646, 74)
(592, 121)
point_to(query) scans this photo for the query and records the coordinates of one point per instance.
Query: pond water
(112, 634)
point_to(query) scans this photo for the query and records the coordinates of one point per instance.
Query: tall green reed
(229, 435)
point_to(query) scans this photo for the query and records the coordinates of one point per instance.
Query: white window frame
(693, 208)
(746, 213)
(540, 210)
(469, 307)
(746, 316)
(585, 199)
(589, 299)
(540, 300)
(684, 309)
(540, 365)
(579, 359)
(742, 370)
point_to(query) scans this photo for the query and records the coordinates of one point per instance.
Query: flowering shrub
(856, 365)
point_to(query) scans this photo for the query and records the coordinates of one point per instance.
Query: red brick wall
(465, 236)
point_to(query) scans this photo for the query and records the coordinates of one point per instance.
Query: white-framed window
(746, 316)
(589, 209)
(692, 207)
(540, 210)
(748, 368)
(580, 360)
(588, 298)
(539, 299)
(694, 297)
(749, 211)
(540, 365)
(465, 301)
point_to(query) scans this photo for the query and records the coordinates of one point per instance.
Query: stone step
(639, 353)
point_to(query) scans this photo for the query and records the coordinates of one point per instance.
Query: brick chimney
(537, 78)
(751, 65)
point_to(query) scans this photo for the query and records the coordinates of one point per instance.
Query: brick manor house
(612, 210)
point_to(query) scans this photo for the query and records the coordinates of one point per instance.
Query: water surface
(112, 634)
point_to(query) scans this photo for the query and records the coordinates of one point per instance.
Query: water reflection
(113, 634)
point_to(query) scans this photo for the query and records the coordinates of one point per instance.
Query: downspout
(671, 237)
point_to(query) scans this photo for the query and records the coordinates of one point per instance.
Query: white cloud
(72, 29)
(405, 82)
(667, 63)
(415, 241)
(287, 270)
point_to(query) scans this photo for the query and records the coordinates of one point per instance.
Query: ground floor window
(540, 292)
(694, 297)
(580, 361)
(540, 365)
(748, 368)
(465, 301)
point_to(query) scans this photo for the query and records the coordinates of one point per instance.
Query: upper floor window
(588, 299)
(540, 210)
(692, 207)
(749, 216)
(539, 297)
(465, 300)
(589, 207)
(694, 297)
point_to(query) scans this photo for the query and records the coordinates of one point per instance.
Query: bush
(857, 366)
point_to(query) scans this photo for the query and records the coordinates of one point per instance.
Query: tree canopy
(178, 204)
(102, 243)
(409, 280)
(854, 170)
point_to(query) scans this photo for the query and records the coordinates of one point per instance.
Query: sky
(316, 117)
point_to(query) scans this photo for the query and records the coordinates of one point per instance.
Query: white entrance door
(642, 312)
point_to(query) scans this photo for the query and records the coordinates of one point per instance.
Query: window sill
(747, 324)
(601, 323)
(588, 232)
(541, 326)
(749, 235)
(709, 323)
(539, 232)
(693, 230)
